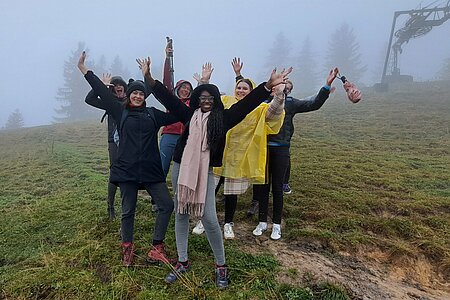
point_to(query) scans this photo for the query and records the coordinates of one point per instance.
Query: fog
(38, 36)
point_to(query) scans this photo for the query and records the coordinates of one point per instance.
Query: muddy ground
(365, 275)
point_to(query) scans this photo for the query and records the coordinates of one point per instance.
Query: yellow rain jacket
(245, 152)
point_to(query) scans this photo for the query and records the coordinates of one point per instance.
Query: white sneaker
(228, 233)
(276, 232)
(198, 229)
(262, 226)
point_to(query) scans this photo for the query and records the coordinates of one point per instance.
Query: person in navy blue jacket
(278, 156)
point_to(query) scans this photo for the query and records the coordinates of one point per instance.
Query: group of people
(243, 139)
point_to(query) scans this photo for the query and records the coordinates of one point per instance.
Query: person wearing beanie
(118, 87)
(171, 133)
(199, 149)
(138, 164)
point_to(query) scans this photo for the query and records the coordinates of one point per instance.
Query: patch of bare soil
(365, 276)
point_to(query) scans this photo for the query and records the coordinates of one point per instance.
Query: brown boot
(157, 254)
(127, 254)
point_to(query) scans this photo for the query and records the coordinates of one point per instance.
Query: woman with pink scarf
(199, 149)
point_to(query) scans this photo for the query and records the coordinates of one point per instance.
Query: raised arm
(99, 89)
(276, 107)
(316, 101)
(240, 109)
(207, 70)
(162, 94)
(167, 78)
(237, 67)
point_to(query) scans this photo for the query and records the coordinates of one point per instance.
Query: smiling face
(119, 90)
(206, 101)
(242, 90)
(184, 91)
(137, 98)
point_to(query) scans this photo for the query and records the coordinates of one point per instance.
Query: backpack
(116, 136)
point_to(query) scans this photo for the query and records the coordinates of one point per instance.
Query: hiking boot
(198, 229)
(157, 254)
(177, 272)
(276, 232)
(127, 254)
(262, 226)
(286, 189)
(254, 208)
(111, 213)
(221, 277)
(228, 233)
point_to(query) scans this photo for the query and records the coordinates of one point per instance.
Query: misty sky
(36, 37)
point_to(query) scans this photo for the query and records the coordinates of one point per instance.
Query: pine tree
(118, 69)
(74, 91)
(15, 120)
(305, 74)
(444, 73)
(343, 52)
(100, 66)
(278, 56)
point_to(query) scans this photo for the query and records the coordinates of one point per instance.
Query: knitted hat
(137, 85)
(117, 80)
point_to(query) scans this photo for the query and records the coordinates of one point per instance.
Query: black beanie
(136, 85)
(117, 80)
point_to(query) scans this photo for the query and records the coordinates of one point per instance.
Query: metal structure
(419, 23)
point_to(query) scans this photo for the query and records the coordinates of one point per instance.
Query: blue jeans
(166, 148)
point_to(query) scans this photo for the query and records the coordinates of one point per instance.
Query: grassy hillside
(371, 180)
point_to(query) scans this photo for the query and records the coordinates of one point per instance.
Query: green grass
(375, 174)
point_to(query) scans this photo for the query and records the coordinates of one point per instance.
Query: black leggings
(277, 163)
(230, 207)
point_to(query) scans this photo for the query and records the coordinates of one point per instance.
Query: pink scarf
(193, 176)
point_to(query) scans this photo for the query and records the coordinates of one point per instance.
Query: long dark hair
(215, 131)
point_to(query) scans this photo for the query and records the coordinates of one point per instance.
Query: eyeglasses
(206, 98)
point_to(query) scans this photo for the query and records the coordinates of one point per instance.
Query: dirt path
(365, 279)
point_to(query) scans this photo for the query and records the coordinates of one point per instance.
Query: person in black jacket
(199, 149)
(278, 158)
(118, 87)
(138, 164)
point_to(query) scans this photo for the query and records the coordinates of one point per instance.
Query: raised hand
(144, 65)
(207, 70)
(106, 79)
(278, 90)
(237, 66)
(277, 78)
(332, 75)
(196, 76)
(81, 66)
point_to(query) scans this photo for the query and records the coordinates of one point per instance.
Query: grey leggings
(209, 220)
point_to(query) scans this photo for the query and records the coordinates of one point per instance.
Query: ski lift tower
(419, 23)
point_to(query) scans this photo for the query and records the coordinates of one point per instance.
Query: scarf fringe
(186, 207)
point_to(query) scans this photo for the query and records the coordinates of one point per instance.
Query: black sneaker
(221, 277)
(286, 189)
(177, 272)
(254, 208)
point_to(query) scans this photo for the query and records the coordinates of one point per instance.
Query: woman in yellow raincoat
(245, 154)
